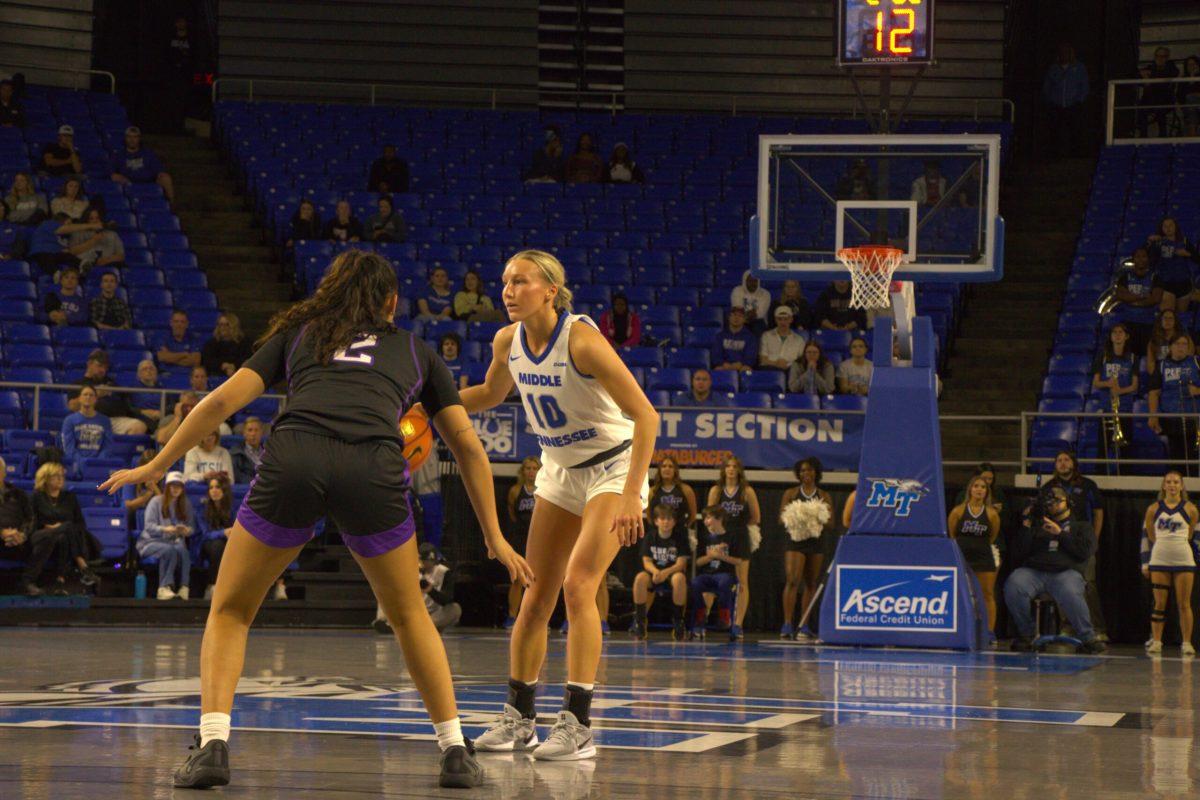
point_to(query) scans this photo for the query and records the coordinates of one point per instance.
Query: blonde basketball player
(597, 432)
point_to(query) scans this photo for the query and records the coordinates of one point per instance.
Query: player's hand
(147, 473)
(518, 568)
(627, 521)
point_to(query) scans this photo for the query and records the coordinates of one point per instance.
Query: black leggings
(37, 551)
(213, 550)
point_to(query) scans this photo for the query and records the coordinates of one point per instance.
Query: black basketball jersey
(524, 506)
(974, 527)
(363, 391)
(737, 514)
(673, 499)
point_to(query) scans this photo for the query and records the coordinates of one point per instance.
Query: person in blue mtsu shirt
(85, 434)
(735, 347)
(137, 164)
(1173, 390)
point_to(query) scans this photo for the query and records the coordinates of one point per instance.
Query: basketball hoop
(871, 269)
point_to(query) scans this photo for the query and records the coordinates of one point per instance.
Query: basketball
(418, 439)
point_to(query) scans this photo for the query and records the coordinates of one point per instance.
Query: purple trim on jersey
(287, 362)
(376, 544)
(416, 389)
(269, 533)
(558, 326)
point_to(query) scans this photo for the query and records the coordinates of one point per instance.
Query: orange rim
(869, 257)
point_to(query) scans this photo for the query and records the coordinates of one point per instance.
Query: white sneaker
(165, 593)
(568, 741)
(183, 593)
(1153, 648)
(1186, 650)
(280, 592)
(208, 592)
(510, 732)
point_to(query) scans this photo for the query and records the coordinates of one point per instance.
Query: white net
(871, 270)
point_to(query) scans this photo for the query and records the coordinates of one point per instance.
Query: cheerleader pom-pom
(804, 519)
(755, 533)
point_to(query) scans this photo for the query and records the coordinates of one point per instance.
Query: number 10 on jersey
(545, 410)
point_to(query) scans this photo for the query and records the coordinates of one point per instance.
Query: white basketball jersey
(571, 414)
(1172, 537)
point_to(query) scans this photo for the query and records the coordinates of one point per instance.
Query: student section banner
(762, 439)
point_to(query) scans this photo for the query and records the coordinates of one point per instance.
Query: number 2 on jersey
(358, 357)
(551, 416)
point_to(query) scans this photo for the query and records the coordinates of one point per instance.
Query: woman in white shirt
(208, 460)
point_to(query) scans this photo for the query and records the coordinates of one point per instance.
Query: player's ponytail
(553, 272)
(352, 298)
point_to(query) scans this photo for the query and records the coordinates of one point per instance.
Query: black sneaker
(680, 632)
(207, 766)
(1092, 647)
(382, 627)
(636, 631)
(1022, 645)
(460, 770)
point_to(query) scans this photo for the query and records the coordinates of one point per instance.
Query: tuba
(1119, 439)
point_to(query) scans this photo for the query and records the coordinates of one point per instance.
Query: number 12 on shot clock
(883, 32)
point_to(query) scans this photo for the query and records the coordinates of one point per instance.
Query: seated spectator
(148, 404)
(620, 324)
(622, 168)
(450, 347)
(343, 227)
(70, 200)
(736, 347)
(208, 460)
(137, 164)
(791, 296)
(57, 511)
(388, 173)
(812, 373)
(548, 164)
(228, 347)
(60, 156)
(26, 205)
(1173, 259)
(437, 584)
(50, 247)
(135, 498)
(717, 558)
(584, 165)
(122, 415)
(472, 302)
(213, 524)
(94, 242)
(306, 225)
(85, 433)
(438, 300)
(17, 542)
(857, 183)
(198, 380)
(183, 406)
(665, 555)
(854, 374)
(66, 305)
(833, 311)
(12, 115)
(178, 347)
(169, 522)
(701, 393)
(110, 312)
(248, 454)
(928, 189)
(752, 298)
(1115, 367)
(1049, 550)
(1139, 293)
(1157, 99)
(387, 224)
(781, 346)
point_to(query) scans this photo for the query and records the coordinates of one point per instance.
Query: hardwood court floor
(90, 713)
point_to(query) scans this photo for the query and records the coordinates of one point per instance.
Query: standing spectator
(137, 497)
(1158, 99)
(975, 526)
(213, 524)
(1115, 367)
(387, 224)
(520, 503)
(86, 433)
(812, 373)
(793, 298)
(735, 347)
(780, 346)
(833, 311)
(1065, 89)
(110, 312)
(122, 416)
(929, 188)
(57, 510)
(701, 393)
(94, 242)
(70, 200)
(137, 164)
(1189, 96)
(854, 374)
(669, 490)
(344, 227)
(857, 183)
(804, 559)
(26, 205)
(665, 555)
(450, 348)
(472, 302)
(718, 556)
(437, 302)
(622, 168)
(60, 156)
(1173, 390)
(247, 456)
(66, 305)
(1173, 259)
(178, 346)
(548, 164)
(1166, 328)
(208, 460)
(178, 76)
(752, 298)
(1170, 527)
(1139, 293)
(17, 540)
(148, 404)
(169, 521)
(584, 165)
(738, 499)
(388, 173)
(620, 324)
(12, 115)
(1087, 504)
(228, 347)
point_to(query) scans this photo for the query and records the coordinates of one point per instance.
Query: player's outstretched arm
(498, 382)
(223, 402)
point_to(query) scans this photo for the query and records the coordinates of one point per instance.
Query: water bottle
(139, 586)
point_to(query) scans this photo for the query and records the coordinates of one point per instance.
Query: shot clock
(883, 32)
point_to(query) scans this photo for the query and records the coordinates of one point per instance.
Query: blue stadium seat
(17, 311)
(668, 379)
(73, 359)
(123, 340)
(688, 357)
(718, 399)
(659, 398)
(483, 331)
(770, 381)
(27, 333)
(641, 356)
(128, 359)
(751, 400)
(799, 402)
(109, 526)
(1068, 386)
(1070, 364)
(725, 381)
(843, 402)
(12, 414)
(30, 355)
(144, 296)
(832, 340)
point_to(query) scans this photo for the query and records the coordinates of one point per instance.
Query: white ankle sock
(587, 687)
(214, 725)
(449, 733)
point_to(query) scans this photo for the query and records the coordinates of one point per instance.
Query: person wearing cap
(110, 312)
(137, 164)
(60, 156)
(437, 584)
(781, 345)
(389, 173)
(85, 433)
(169, 521)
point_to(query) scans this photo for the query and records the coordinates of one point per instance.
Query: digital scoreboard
(884, 32)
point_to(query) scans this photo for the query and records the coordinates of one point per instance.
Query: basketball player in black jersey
(335, 450)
